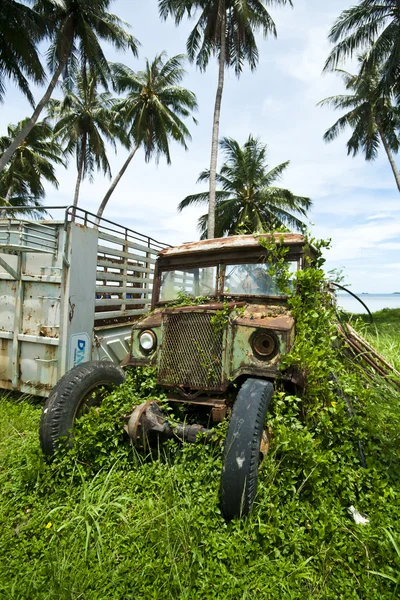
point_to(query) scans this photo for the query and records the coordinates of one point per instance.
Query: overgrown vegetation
(107, 521)
(384, 333)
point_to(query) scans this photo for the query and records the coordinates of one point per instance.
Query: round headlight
(265, 345)
(147, 340)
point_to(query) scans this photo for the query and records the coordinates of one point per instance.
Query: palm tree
(21, 29)
(153, 110)
(84, 119)
(372, 116)
(247, 201)
(21, 182)
(76, 28)
(226, 29)
(372, 25)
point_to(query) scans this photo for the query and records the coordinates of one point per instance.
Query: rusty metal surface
(209, 307)
(265, 315)
(218, 413)
(210, 401)
(188, 362)
(148, 420)
(150, 321)
(231, 242)
(192, 352)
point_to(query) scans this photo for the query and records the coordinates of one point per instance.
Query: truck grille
(191, 354)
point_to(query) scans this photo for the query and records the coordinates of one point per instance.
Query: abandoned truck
(217, 330)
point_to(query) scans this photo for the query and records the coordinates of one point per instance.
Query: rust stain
(47, 332)
(263, 315)
(152, 320)
(38, 386)
(212, 306)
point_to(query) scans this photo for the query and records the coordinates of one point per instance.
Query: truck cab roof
(226, 248)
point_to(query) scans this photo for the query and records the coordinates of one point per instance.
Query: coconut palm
(21, 182)
(84, 120)
(21, 29)
(76, 29)
(247, 201)
(359, 26)
(224, 28)
(370, 114)
(153, 110)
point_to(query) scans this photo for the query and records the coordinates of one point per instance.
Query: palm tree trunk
(80, 172)
(215, 131)
(6, 156)
(115, 183)
(390, 157)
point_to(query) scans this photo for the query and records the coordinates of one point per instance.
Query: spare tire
(242, 448)
(78, 390)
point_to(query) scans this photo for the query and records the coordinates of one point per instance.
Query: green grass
(384, 333)
(105, 521)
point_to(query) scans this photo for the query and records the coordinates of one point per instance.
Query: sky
(355, 203)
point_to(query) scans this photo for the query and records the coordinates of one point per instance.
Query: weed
(127, 524)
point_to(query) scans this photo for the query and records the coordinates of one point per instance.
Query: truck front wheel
(78, 390)
(242, 448)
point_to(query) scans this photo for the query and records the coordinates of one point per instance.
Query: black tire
(242, 448)
(71, 396)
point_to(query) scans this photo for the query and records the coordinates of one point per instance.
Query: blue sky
(355, 203)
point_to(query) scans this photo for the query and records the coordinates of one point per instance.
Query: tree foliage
(33, 163)
(372, 26)
(85, 120)
(153, 110)
(155, 104)
(248, 201)
(21, 28)
(226, 29)
(369, 112)
(75, 29)
(237, 22)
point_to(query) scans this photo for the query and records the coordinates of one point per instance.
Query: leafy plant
(99, 501)
(165, 537)
(394, 575)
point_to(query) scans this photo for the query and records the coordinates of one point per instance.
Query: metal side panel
(30, 292)
(112, 343)
(8, 290)
(79, 297)
(38, 365)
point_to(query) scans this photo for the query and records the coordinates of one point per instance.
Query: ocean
(373, 301)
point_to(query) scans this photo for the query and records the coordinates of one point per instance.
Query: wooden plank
(111, 265)
(122, 242)
(106, 276)
(127, 301)
(112, 252)
(114, 314)
(108, 289)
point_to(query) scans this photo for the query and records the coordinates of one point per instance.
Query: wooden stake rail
(365, 352)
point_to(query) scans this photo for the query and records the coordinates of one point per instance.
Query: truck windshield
(254, 280)
(200, 281)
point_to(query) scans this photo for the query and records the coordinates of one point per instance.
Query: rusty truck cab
(217, 316)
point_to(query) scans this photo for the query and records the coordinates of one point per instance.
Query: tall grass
(384, 333)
